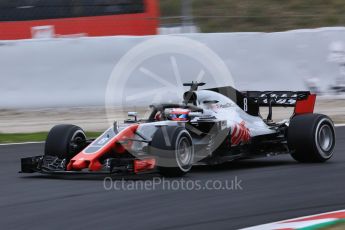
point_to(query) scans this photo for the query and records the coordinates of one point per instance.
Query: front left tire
(64, 141)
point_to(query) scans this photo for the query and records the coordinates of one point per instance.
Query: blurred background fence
(313, 59)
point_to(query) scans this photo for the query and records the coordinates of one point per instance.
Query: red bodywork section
(141, 165)
(125, 24)
(305, 106)
(91, 160)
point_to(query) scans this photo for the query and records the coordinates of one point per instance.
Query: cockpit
(196, 103)
(199, 103)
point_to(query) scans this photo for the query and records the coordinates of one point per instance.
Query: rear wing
(303, 101)
(277, 98)
(250, 101)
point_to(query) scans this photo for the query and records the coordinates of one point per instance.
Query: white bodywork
(226, 109)
(242, 125)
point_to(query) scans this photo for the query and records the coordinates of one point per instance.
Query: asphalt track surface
(272, 189)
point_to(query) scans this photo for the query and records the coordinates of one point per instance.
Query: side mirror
(115, 128)
(133, 114)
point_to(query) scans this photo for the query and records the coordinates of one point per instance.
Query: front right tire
(173, 147)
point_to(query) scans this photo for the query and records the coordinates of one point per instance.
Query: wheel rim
(184, 152)
(325, 138)
(78, 137)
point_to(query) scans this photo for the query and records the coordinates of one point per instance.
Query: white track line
(339, 125)
(23, 143)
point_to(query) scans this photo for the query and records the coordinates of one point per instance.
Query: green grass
(254, 15)
(29, 137)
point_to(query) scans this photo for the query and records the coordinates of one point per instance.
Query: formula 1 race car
(210, 126)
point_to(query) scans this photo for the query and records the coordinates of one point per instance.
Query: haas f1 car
(210, 126)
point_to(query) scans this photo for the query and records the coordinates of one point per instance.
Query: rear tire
(311, 138)
(174, 150)
(64, 141)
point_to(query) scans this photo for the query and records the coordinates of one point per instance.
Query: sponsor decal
(279, 99)
(240, 134)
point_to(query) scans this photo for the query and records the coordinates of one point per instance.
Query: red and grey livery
(210, 126)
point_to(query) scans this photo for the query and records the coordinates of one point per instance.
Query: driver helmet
(178, 114)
